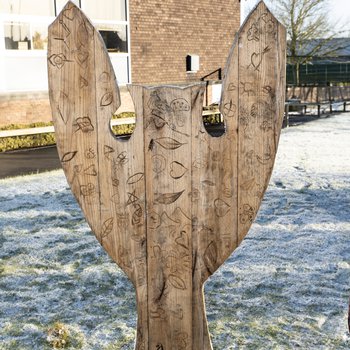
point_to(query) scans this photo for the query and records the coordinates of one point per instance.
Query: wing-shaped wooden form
(252, 101)
(172, 203)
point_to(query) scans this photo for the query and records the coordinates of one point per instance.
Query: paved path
(29, 161)
(38, 160)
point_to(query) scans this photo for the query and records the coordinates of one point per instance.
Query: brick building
(149, 41)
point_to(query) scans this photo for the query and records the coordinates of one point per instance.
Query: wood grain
(172, 203)
(254, 84)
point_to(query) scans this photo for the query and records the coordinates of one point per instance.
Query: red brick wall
(24, 108)
(163, 33)
(30, 108)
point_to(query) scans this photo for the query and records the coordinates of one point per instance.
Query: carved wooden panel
(253, 94)
(172, 203)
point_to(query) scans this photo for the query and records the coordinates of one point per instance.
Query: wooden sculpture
(172, 203)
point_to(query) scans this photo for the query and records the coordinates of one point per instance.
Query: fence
(319, 94)
(324, 73)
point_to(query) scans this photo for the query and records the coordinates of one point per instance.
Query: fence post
(286, 116)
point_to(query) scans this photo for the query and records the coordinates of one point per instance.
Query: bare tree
(309, 30)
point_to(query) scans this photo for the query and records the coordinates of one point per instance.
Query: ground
(286, 287)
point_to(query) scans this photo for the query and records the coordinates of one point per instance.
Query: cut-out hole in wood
(123, 128)
(172, 203)
(214, 123)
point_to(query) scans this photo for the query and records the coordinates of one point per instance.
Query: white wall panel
(24, 73)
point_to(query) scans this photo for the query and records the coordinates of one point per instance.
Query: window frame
(46, 21)
(83, 8)
(53, 7)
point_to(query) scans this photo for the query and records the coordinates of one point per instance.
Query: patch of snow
(287, 286)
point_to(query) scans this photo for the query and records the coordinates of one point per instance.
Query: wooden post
(286, 116)
(172, 203)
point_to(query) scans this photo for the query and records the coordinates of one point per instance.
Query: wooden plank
(167, 117)
(109, 187)
(172, 203)
(50, 129)
(258, 100)
(25, 132)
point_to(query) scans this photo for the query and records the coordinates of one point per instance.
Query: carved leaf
(67, 157)
(169, 143)
(177, 282)
(107, 227)
(106, 99)
(85, 33)
(208, 183)
(210, 257)
(62, 115)
(167, 198)
(135, 178)
(160, 286)
(248, 185)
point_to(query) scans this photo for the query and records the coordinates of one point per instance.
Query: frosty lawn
(287, 286)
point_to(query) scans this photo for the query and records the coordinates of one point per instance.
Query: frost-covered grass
(286, 287)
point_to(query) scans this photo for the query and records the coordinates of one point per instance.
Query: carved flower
(174, 264)
(266, 125)
(194, 195)
(58, 60)
(244, 121)
(247, 215)
(270, 27)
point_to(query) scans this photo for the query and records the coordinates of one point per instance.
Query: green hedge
(26, 141)
(47, 139)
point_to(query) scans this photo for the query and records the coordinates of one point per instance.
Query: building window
(62, 3)
(17, 36)
(27, 7)
(109, 17)
(108, 10)
(23, 36)
(39, 37)
(115, 37)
